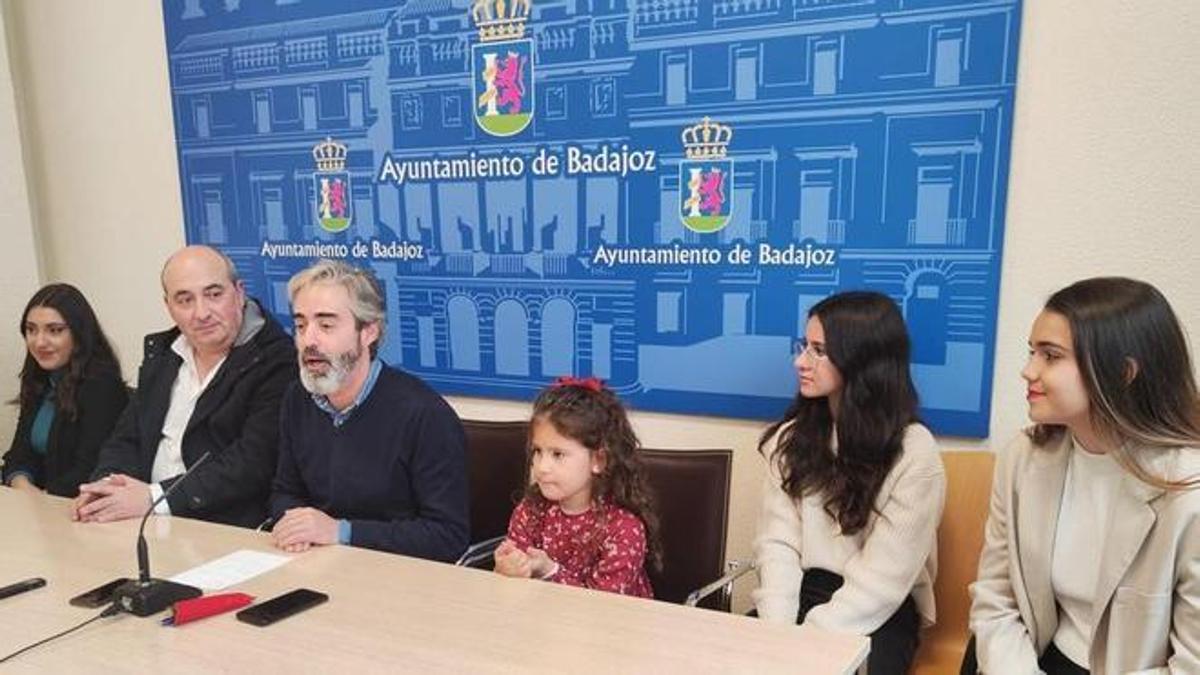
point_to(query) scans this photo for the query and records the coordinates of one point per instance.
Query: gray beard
(335, 378)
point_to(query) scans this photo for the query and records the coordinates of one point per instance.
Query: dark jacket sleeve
(101, 400)
(19, 458)
(241, 471)
(120, 453)
(287, 489)
(438, 481)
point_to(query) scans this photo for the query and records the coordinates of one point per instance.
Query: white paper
(230, 569)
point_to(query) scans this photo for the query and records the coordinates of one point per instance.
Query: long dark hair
(591, 414)
(92, 354)
(866, 339)
(1134, 362)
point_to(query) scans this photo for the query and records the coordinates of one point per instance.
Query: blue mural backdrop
(650, 191)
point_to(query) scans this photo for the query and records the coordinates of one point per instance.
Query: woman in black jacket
(71, 394)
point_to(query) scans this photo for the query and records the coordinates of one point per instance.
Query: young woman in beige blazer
(1091, 558)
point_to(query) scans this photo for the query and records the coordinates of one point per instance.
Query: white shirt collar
(184, 349)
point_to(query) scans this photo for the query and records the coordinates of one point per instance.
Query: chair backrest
(960, 540)
(691, 490)
(496, 474)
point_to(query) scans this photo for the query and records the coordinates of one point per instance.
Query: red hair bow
(590, 383)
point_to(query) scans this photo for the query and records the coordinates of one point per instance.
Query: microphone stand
(147, 595)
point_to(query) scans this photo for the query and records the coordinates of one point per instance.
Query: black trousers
(1052, 662)
(892, 646)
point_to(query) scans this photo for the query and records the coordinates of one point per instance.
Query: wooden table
(386, 613)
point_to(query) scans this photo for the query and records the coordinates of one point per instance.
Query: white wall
(92, 79)
(1105, 179)
(19, 264)
(1105, 176)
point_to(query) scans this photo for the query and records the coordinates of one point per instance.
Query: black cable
(111, 611)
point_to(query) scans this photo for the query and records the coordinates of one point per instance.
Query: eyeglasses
(816, 351)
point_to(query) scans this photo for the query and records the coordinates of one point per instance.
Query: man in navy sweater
(368, 455)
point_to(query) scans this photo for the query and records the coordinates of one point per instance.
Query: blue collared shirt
(339, 418)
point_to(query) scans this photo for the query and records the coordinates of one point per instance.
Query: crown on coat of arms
(500, 19)
(706, 140)
(330, 155)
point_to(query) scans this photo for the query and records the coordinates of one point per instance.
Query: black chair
(691, 489)
(496, 478)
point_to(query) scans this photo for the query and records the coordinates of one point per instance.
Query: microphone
(147, 595)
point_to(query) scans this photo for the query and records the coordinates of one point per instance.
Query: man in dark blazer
(212, 384)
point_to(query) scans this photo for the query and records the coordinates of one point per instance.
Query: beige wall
(1104, 179)
(19, 266)
(96, 115)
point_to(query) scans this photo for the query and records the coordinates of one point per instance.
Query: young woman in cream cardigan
(854, 494)
(1091, 558)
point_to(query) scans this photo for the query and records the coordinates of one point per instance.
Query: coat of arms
(706, 177)
(332, 183)
(502, 67)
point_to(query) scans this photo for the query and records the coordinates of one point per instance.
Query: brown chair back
(691, 490)
(960, 541)
(496, 474)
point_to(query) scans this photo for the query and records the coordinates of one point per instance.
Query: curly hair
(591, 414)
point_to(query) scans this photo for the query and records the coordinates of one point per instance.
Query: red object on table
(185, 611)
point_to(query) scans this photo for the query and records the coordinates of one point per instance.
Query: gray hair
(366, 293)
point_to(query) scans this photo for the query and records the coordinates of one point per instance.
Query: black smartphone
(281, 607)
(99, 596)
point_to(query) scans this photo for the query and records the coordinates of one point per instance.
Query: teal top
(39, 431)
